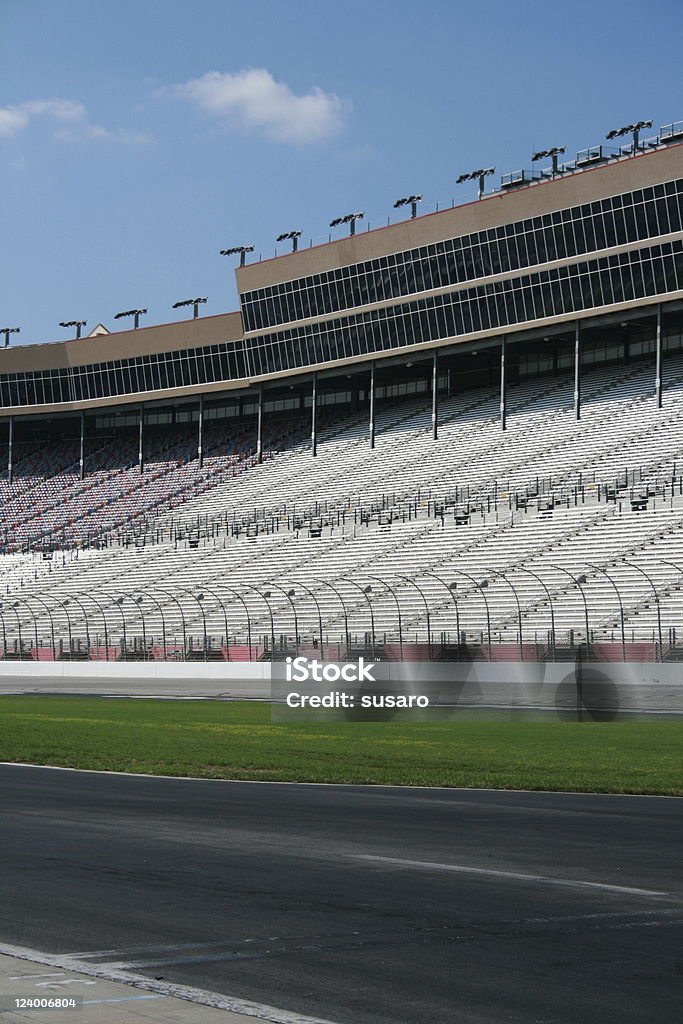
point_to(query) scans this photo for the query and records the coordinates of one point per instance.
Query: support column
(372, 404)
(259, 427)
(10, 450)
(200, 433)
(141, 438)
(577, 370)
(314, 415)
(435, 395)
(658, 365)
(81, 458)
(503, 385)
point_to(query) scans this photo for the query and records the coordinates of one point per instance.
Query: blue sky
(137, 138)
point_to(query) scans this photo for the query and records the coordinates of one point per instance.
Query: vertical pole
(81, 459)
(658, 369)
(314, 410)
(577, 370)
(141, 463)
(10, 449)
(435, 395)
(503, 387)
(372, 404)
(200, 433)
(259, 426)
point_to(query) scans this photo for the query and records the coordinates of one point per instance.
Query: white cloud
(70, 120)
(253, 101)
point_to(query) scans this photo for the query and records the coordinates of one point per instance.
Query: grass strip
(223, 740)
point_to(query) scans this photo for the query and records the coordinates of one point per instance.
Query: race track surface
(357, 905)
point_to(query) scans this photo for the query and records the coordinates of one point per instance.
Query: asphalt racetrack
(355, 905)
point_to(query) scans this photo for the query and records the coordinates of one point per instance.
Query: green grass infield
(222, 740)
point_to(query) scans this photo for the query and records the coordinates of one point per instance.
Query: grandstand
(460, 436)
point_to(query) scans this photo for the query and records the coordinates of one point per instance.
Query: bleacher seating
(553, 523)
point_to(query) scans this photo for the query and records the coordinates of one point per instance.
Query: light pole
(348, 218)
(178, 605)
(43, 605)
(244, 605)
(195, 303)
(656, 595)
(135, 313)
(553, 153)
(481, 587)
(104, 620)
(138, 601)
(264, 597)
(673, 566)
(451, 590)
(118, 601)
(240, 250)
(426, 604)
(630, 129)
(578, 581)
(479, 176)
(4, 631)
(288, 594)
(7, 331)
(523, 568)
(74, 323)
(411, 201)
(200, 598)
(621, 605)
(326, 583)
(84, 613)
(366, 591)
(504, 576)
(398, 610)
(312, 596)
(292, 236)
(13, 608)
(15, 605)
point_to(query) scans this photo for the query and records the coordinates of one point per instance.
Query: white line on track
(343, 785)
(161, 988)
(518, 876)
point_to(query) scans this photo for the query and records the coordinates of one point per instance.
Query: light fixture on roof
(74, 323)
(195, 303)
(629, 129)
(479, 176)
(294, 236)
(409, 200)
(552, 153)
(348, 218)
(137, 313)
(241, 249)
(7, 331)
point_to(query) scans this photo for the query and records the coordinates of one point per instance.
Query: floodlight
(7, 331)
(348, 218)
(629, 129)
(552, 153)
(290, 235)
(241, 249)
(413, 201)
(74, 323)
(137, 313)
(478, 175)
(190, 302)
